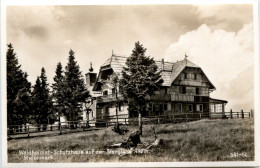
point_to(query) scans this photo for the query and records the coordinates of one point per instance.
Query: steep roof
(169, 70)
(117, 63)
(179, 66)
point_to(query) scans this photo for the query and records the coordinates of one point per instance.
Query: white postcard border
(128, 164)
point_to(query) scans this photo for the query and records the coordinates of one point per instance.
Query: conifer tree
(139, 79)
(57, 91)
(18, 91)
(75, 92)
(42, 104)
(36, 102)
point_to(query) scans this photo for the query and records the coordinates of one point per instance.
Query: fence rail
(72, 126)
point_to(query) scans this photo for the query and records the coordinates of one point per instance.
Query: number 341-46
(237, 155)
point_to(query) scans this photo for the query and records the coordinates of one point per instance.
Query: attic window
(185, 75)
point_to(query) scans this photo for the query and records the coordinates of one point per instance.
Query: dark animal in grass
(133, 140)
(119, 130)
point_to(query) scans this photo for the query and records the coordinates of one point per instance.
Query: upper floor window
(105, 93)
(119, 107)
(165, 90)
(182, 89)
(197, 90)
(113, 91)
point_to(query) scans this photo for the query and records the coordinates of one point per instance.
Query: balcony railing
(181, 97)
(109, 98)
(166, 97)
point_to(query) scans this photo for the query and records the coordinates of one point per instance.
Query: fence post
(125, 121)
(28, 131)
(237, 114)
(200, 116)
(60, 128)
(231, 114)
(158, 120)
(242, 113)
(251, 113)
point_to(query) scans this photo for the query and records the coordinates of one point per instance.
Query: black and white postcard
(141, 84)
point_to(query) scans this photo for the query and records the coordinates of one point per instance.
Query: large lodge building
(186, 89)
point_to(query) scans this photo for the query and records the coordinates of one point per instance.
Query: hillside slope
(204, 140)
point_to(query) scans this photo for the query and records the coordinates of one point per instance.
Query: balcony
(182, 97)
(109, 98)
(160, 97)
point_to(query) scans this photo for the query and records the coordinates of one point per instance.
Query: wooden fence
(232, 114)
(76, 126)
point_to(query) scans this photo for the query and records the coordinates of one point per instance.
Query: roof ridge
(119, 56)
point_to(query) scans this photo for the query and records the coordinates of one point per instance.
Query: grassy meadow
(204, 140)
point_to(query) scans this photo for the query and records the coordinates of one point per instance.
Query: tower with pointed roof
(91, 77)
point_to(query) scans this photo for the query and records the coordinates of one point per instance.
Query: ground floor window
(216, 108)
(190, 107)
(165, 107)
(179, 107)
(199, 107)
(169, 106)
(158, 109)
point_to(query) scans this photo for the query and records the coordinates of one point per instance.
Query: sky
(218, 38)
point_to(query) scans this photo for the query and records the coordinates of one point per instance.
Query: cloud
(241, 92)
(230, 17)
(36, 31)
(43, 35)
(223, 56)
